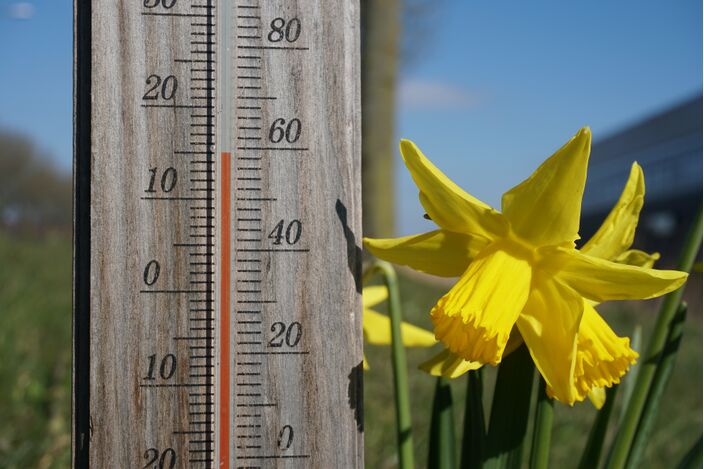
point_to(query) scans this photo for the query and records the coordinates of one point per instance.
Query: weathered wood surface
(136, 320)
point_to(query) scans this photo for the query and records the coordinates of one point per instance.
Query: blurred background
(486, 89)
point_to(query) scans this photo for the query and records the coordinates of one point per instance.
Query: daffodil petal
(376, 327)
(449, 365)
(441, 252)
(602, 357)
(598, 397)
(373, 295)
(637, 258)
(448, 205)
(377, 331)
(365, 365)
(602, 280)
(549, 324)
(545, 208)
(474, 319)
(616, 233)
(414, 336)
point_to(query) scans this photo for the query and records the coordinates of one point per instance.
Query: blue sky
(495, 89)
(36, 72)
(503, 84)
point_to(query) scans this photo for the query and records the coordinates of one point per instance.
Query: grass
(35, 346)
(35, 338)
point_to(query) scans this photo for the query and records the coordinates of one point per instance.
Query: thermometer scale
(216, 298)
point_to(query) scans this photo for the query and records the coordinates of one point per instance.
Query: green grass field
(35, 346)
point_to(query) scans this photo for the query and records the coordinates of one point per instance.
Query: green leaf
(442, 451)
(508, 424)
(629, 381)
(657, 388)
(540, 451)
(474, 429)
(597, 435)
(656, 346)
(693, 458)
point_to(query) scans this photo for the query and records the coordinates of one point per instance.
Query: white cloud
(419, 95)
(21, 11)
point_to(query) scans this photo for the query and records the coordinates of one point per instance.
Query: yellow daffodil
(619, 225)
(377, 326)
(520, 275)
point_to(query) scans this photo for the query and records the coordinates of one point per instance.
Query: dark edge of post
(80, 425)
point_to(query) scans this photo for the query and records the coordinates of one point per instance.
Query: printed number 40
(292, 233)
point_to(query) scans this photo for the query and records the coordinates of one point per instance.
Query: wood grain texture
(126, 314)
(131, 320)
(316, 180)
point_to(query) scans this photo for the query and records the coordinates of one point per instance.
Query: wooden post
(381, 31)
(217, 304)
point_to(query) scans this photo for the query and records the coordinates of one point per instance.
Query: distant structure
(668, 146)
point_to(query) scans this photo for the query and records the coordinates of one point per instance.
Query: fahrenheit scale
(216, 297)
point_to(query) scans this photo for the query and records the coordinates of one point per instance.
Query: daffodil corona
(521, 276)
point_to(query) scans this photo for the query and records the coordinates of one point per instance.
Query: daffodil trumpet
(521, 277)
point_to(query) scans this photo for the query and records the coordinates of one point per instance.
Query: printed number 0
(151, 272)
(285, 437)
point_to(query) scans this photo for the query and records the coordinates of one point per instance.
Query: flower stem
(540, 452)
(474, 429)
(629, 381)
(656, 346)
(398, 359)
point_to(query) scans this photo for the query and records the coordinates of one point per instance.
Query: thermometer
(217, 237)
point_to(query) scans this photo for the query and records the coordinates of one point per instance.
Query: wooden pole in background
(381, 26)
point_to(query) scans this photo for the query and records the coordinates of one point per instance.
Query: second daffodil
(377, 327)
(520, 274)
